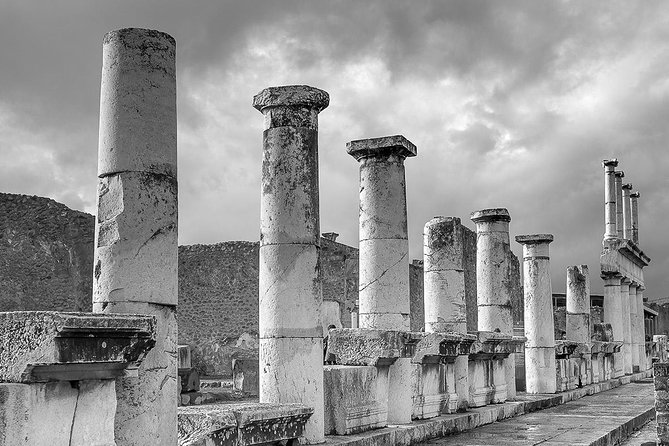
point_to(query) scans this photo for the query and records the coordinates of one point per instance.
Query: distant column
(492, 279)
(627, 212)
(291, 334)
(384, 253)
(627, 325)
(613, 314)
(444, 289)
(634, 329)
(136, 226)
(620, 224)
(610, 198)
(641, 326)
(634, 197)
(540, 367)
(578, 304)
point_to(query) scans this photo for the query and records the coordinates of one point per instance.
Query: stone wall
(46, 255)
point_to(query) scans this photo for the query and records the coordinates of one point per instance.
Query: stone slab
(360, 346)
(39, 346)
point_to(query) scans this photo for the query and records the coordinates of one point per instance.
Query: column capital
(625, 281)
(619, 174)
(534, 239)
(491, 215)
(382, 146)
(610, 163)
(291, 96)
(636, 194)
(627, 186)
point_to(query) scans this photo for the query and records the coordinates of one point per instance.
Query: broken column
(634, 198)
(291, 335)
(620, 223)
(627, 325)
(540, 366)
(384, 252)
(136, 227)
(578, 315)
(610, 198)
(613, 314)
(492, 280)
(444, 290)
(627, 211)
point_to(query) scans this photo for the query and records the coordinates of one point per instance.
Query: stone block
(359, 346)
(289, 304)
(47, 345)
(245, 375)
(430, 393)
(352, 403)
(136, 239)
(184, 357)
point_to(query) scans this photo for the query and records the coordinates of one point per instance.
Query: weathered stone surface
(245, 375)
(136, 239)
(578, 304)
(46, 345)
(430, 389)
(627, 326)
(610, 198)
(352, 402)
(613, 315)
(138, 114)
(383, 146)
(661, 381)
(358, 346)
(302, 96)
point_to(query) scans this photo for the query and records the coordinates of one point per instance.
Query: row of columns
(621, 205)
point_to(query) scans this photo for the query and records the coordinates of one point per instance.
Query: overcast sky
(511, 104)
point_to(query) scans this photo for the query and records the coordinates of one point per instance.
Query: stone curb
(424, 430)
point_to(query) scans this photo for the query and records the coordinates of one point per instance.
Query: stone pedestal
(487, 371)
(613, 315)
(290, 329)
(540, 366)
(384, 252)
(136, 227)
(492, 279)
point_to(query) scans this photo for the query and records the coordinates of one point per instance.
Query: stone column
(627, 325)
(492, 279)
(620, 224)
(384, 253)
(613, 314)
(610, 198)
(135, 264)
(641, 327)
(444, 289)
(578, 304)
(627, 211)
(540, 367)
(634, 329)
(634, 197)
(291, 335)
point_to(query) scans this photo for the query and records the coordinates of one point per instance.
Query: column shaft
(613, 314)
(609, 198)
(635, 216)
(136, 226)
(641, 327)
(634, 329)
(627, 325)
(620, 224)
(291, 334)
(627, 212)
(578, 304)
(540, 366)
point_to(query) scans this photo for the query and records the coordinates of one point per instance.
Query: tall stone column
(578, 304)
(613, 314)
(634, 329)
(444, 289)
(540, 367)
(634, 197)
(620, 223)
(384, 252)
(641, 327)
(610, 198)
(627, 325)
(627, 212)
(492, 279)
(291, 334)
(135, 265)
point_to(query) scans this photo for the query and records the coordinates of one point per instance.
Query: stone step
(605, 419)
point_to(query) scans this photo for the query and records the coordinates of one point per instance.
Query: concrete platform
(566, 418)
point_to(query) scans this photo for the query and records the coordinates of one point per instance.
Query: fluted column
(135, 259)
(610, 198)
(291, 334)
(492, 284)
(634, 197)
(540, 367)
(620, 224)
(613, 314)
(384, 253)
(627, 212)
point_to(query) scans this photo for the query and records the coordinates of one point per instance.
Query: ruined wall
(46, 255)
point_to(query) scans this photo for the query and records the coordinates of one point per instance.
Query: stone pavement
(606, 418)
(646, 436)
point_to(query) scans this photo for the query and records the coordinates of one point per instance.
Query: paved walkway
(646, 436)
(605, 418)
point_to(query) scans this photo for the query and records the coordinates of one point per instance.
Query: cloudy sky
(511, 104)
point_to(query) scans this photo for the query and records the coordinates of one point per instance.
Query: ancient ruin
(354, 365)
